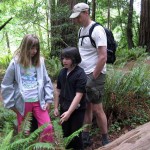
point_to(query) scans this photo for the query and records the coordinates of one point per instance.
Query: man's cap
(78, 8)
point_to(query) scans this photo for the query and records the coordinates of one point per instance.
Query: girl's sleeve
(7, 86)
(48, 87)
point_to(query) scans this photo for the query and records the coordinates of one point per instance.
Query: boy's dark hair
(72, 53)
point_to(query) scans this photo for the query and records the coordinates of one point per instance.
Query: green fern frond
(25, 142)
(6, 140)
(67, 140)
(39, 146)
(33, 136)
(26, 124)
(58, 134)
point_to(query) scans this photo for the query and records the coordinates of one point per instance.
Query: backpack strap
(81, 36)
(90, 33)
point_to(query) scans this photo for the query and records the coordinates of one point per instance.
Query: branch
(1, 27)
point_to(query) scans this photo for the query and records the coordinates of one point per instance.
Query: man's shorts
(95, 88)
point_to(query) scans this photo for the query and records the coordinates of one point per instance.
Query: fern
(26, 124)
(59, 142)
(6, 141)
(45, 146)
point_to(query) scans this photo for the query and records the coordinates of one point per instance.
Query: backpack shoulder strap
(90, 33)
(82, 37)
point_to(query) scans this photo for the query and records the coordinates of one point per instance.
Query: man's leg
(101, 121)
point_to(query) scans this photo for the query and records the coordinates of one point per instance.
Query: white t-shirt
(89, 53)
(29, 82)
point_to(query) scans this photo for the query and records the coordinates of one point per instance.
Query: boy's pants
(41, 116)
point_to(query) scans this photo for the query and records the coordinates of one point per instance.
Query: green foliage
(7, 121)
(6, 141)
(126, 95)
(69, 139)
(53, 66)
(23, 140)
(59, 141)
(124, 55)
(5, 60)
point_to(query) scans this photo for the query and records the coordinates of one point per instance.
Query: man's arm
(102, 58)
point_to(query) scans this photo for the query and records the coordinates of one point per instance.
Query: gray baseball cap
(78, 8)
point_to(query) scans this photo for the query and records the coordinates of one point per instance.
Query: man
(94, 65)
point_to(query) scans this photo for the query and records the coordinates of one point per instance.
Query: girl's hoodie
(12, 89)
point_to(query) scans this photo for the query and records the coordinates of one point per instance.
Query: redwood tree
(144, 35)
(129, 26)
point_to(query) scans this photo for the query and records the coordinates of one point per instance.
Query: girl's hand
(64, 117)
(47, 106)
(56, 112)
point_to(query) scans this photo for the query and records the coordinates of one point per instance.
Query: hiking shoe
(105, 141)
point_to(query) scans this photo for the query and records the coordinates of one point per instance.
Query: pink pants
(41, 116)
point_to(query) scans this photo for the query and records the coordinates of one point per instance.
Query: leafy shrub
(5, 60)
(127, 94)
(53, 66)
(124, 55)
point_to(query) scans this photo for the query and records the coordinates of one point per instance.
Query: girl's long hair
(23, 52)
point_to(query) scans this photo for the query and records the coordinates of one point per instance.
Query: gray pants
(95, 88)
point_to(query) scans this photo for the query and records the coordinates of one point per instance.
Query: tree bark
(129, 26)
(8, 43)
(93, 9)
(137, 139)
(144, 35)
(108, 17)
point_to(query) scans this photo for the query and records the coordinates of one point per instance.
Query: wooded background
(49, 19)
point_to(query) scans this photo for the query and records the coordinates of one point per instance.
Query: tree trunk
(63, 31)
(144, 35)
(93, 9)
(137, 139)
(8, 43)
(120, 18)
(48, 22)
(129, 26)
(108, 17)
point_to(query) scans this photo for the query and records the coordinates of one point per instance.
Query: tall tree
(108, 15)
(130, 25)
(93, 9)
(63, 31)
(144, 35)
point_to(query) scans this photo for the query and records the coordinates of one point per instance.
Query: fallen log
(136, 139)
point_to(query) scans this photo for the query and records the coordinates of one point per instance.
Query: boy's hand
(64, 117)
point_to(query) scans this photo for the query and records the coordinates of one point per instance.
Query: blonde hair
(23, 52)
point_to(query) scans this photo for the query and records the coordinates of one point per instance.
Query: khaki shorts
(95, 88)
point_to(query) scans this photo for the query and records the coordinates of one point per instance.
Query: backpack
(111, 43)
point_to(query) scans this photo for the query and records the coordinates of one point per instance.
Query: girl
(70, 95)
(26, 86)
